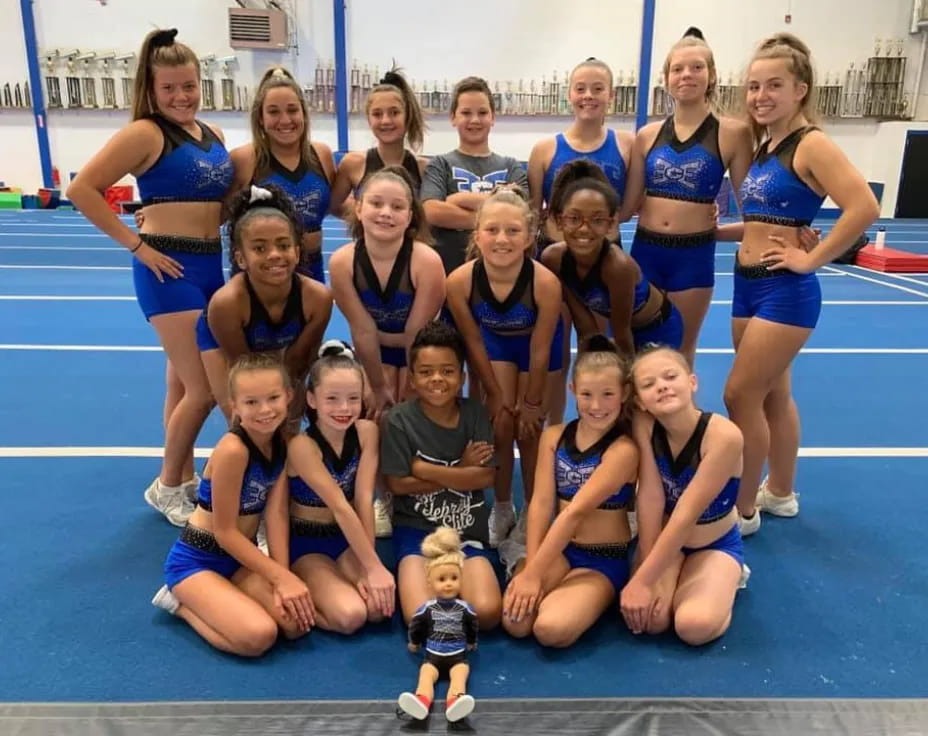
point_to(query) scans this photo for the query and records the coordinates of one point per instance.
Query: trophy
(207, 88)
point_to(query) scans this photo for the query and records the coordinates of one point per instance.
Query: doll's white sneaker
(416, 706)
(777, 505)
(458, 707)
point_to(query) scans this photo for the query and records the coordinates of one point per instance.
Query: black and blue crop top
(676, 473)
(260, 475)
(389, 307)
(261, 333)
(514, 315)
(343, 468)
(188, 170)
(308, 188)
(690, 170)
(591, 290)
(772, 192)
(573, 468)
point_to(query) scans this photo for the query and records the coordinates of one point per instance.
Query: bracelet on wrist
(137, 246)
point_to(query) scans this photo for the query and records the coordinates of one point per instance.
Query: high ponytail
(158, 49)
(790, 48)
(394, 81)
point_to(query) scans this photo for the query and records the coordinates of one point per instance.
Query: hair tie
(279, 73)
(259, 193)
(336, 348)
(393, 78)
(163, 38)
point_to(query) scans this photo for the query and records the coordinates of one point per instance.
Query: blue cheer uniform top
(262, 334)
(307, 187)
(260, 475)
(573, 468)
(690, 170)
(389, 307)
(608, 157)
(591, 290)
(343, 468)
(772, 192)
(514, 315)
(188, 170)
(676, 473)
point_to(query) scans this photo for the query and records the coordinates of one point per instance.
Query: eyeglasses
(575, 222)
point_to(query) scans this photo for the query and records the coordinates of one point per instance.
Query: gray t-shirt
(455, 172)
(410, 434)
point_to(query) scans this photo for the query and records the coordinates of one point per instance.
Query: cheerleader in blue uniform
(267, 306)
(216, 578)
(183, 173)
(388, 283)
(675, 174)
(281, 154)
(690, 554)
(604, 288)
(777, 298)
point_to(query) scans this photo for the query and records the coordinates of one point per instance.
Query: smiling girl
(777, 298)
(183, 173)
(281, 154)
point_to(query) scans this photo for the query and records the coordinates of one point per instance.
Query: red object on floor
(116, 194)
(891, 260)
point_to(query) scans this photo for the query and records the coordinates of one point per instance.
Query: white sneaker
(777, 505)
(191, 488)
(383, 518)
(165, 600)
(170, 501)
(413, 705)
(261, 538)
(745, 576)
(518, 532)
(749, 526)
(459, 707)
(502, 519)
(510, 553)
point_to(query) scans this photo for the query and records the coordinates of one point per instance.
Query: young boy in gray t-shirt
(455, 183)
(437, 457)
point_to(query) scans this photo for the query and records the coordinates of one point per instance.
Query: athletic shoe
(750, 525)
(165, 600)
(777, 505)
(383, 518)
(510, 552)
(518, 531)
(170, 501)
(191, 488)
(413, 705)
(458, 707)
(502, 519)
(745, 576)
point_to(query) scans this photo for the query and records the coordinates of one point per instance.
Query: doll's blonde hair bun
(442, 547)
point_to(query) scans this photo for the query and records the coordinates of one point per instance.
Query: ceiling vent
(250, 28)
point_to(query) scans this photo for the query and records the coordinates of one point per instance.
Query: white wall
(528, 39)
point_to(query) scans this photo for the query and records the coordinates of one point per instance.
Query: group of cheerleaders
(517, 261)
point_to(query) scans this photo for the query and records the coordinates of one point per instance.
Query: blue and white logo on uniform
(468, 181)
(686, 175)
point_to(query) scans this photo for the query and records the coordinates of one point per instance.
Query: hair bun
(164, 38)
(443, 541)
(694, 32)
(336, 347)
(599, 344)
